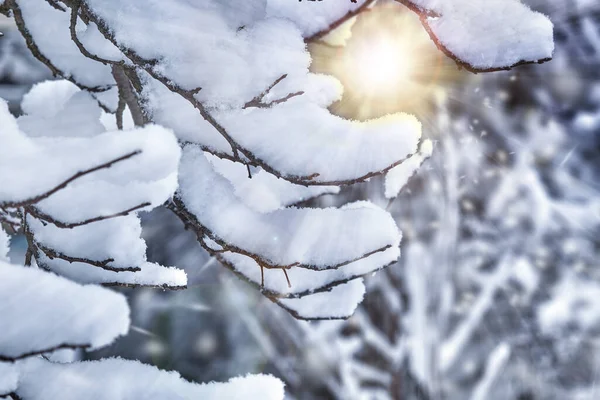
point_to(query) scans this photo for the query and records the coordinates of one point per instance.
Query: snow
(252, 57)
(310, 238)
(95, 198)
(398, 176)
(306, 281)
(118, 379)
(62, 134)
(455, 344)
(34, 166)
(496, 363)
(489, 34)
(317, 150)
(149, 274)
(9, 376)
(338, 303)
(79, 116)
(49, 28)
(322, 149)
(265, 192)
(311, 17)
(173, 111)
(47, 99)
(116, 238)
(59, 312)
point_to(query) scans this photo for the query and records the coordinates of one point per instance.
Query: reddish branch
(425, 15)
(351, 14)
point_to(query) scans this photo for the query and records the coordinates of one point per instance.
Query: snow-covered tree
(495, 296)
(252, 138)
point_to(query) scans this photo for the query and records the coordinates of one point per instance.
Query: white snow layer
(323, 148)
(488, 34)
(40, 312)
(118, 379)
(338, 303)
(320, 149)
(398, 176)
(49, 29)
(9, 377)
(150, 274)
(321, 251)
(30, 166)
(311, 17)
(306, 281)
(93, 218)
(310, 238)
(265, 192)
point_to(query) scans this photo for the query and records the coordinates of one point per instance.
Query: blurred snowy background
(497, 292)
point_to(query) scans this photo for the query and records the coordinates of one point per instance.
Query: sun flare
(386, 62)
(377, 67)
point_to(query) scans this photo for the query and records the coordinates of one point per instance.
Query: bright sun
(378, 66)
(388, 64)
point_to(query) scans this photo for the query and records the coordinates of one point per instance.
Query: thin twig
(65, 183)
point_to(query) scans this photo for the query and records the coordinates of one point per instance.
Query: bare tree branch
(191, 221)
(37, 53)
(40, 352)
(425, 14)
(127, 96)
(35, 212)
(351, 14)
(259, 102)
(52, 254)
(135, 285)
(65, 183)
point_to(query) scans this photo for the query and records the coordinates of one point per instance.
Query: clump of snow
(311, 238)
(92, 219)
(304, 281)
(299, 254)
(398, 176)
(58, 313)
(309, 16)
(323, 148)
(338, 303)
(9, 377)
(489, 34)
(118, 379)
(149, 274)
(265, 192)
(49, 29)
